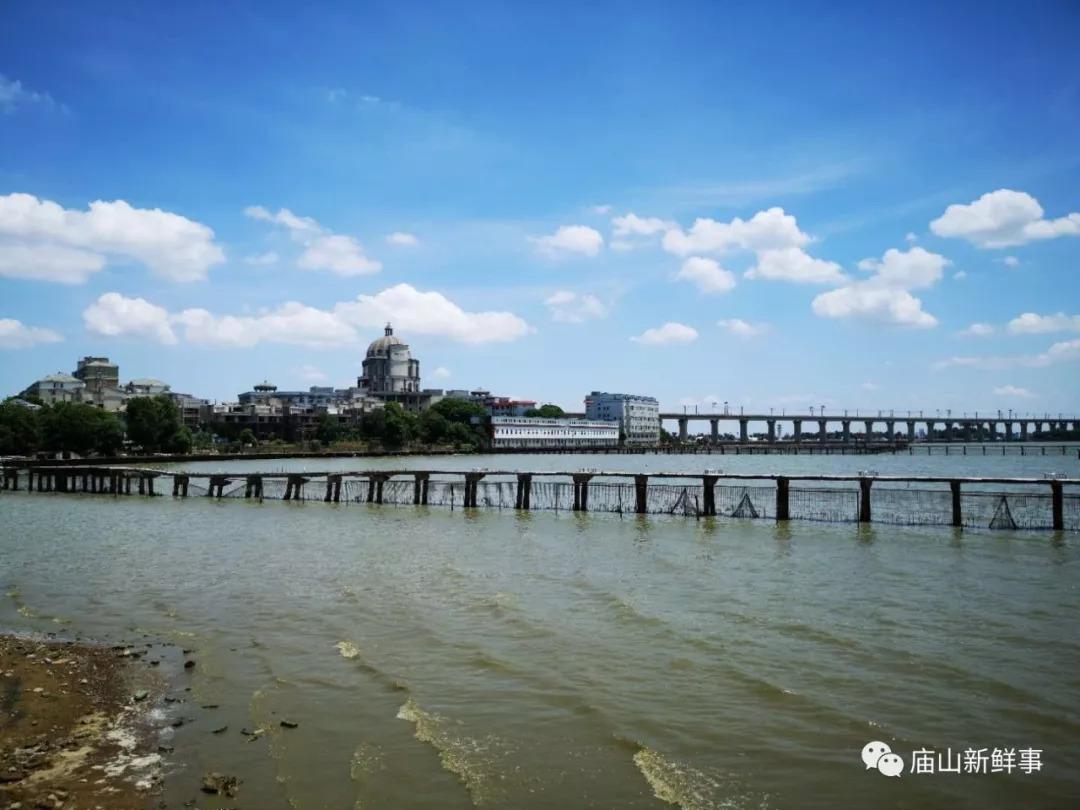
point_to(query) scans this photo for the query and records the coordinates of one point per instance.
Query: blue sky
(214, 193)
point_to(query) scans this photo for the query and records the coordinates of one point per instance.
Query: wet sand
(76, 726)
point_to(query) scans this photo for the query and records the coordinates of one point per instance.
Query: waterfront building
(534, 432)
(53, 388)
(392, 374)
(638, 416)
(146, 387)
(98, 373)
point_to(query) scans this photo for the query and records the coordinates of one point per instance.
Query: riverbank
(76, 725)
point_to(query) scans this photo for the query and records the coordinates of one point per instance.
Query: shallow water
(438, 659)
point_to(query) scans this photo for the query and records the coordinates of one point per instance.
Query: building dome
(380, 347)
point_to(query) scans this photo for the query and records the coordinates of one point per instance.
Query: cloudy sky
(850, 205)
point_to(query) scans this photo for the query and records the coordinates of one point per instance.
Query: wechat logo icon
(879, 756)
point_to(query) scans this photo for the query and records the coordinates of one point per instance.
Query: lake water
(452, 659)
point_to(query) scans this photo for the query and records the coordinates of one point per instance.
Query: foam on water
(689, 788)
(347, 649)
(475, 762)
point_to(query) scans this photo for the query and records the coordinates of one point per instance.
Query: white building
(638, 416)
(55, 388)
(525, 432)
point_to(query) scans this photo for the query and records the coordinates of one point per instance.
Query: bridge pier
(864, 499)
(783, 511)
(957, 517)
(744, 431)
(524, 491)
(708, 489)
(581, 492)
(772, 430)
(869, 435)
(911, 432)
(847, 431)
(333, 489)
(683, 429)
(1008, 431)
(890, 428)
(472, 484)
(796, 428)
(1023, 431)
(823, 431)
(641, 494)
(420, 489)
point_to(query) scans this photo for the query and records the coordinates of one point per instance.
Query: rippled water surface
(444, 659)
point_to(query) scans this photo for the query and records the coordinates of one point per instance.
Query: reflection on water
(435, 659)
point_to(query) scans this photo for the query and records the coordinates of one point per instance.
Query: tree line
(153, 425)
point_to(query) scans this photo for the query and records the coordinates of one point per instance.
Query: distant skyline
(808, 204)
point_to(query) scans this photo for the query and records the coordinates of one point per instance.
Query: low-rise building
(146, 387)
(53, 388)
(638, 416)
(98, 373)
(526, 432)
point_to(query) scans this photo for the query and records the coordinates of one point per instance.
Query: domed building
(391, 373)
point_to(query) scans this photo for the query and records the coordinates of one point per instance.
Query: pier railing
(995, 503)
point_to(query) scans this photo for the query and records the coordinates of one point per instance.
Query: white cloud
(869, 386)
(1031, 323)
(17, 335)
(633, 225)
(911, 237)
(66, 245)
(337, 253)
(766, 230)
(13, 94)
(402, 239)
(346, 323)
(115, 315)
(959, 275)
(795, 265)
(1013, 391)
(340, 254)
(431, 313)
(290, 323)
(1003, 218)
(310, 373)
(977, 330)
(707, 275)
(48, 262)
(910, 270)
(873, 302)
(884, 296)
(441, 373)
(580, 239)
(1011, 261)
(1061, 352)
(262, 259)
(668, 333)
(570, 307)
(601, 210)
(743, 329)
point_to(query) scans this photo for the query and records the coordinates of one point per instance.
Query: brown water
(438, 659)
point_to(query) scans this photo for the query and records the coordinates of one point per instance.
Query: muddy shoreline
(77, 725)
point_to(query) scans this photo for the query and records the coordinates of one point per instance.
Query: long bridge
(1052, 502)
(965, 428)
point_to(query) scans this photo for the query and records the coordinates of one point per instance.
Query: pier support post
(581, 492)
(783, 510)
(288, 489)
(864, 499)
(890, 431)
(1058, 505)
(823, 431)
(772, 430)
(911, 432)
(708, 488)
(379, 481)
(847, 431)
(744, 431)
(333, 489)
(176, 487)
(1023, 431)
(796, 427)
(641, 494)
(869, 435)
(714, 431)
(957, 516)
(683, 422)
(150, 484)
(472, 485)
(1008, 431)
(420, 489)
(142, 485)
(524, 491)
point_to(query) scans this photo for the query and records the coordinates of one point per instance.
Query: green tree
(400, 425)
(328, 430)
(79, 428)
(20, 429)
(459, 410)
(247, 437)
(548, 411)
(182, 441)
(153, 422)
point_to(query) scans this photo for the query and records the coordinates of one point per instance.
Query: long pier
(996, 503)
